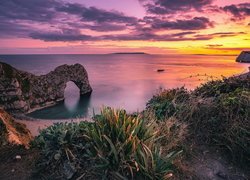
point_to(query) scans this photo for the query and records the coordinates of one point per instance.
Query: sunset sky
(106, 26)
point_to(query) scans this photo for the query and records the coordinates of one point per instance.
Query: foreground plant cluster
(149, 144)
(115, 146)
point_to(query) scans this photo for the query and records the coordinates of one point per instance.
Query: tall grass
(115, 146)
(125, 146)
(217, 113)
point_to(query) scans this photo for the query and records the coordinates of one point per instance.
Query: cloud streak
(174, 6)
(195, 23)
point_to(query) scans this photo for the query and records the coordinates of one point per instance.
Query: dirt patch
(16, 162)
(210, 164)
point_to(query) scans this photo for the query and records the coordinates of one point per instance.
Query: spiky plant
(123, 146)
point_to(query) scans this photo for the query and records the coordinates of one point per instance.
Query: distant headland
(129, 53)
(244, 57)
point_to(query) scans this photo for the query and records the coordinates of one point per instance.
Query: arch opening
(71, 96)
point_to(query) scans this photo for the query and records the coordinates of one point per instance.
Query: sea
(124, 81)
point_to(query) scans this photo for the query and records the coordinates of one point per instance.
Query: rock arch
(24, 92)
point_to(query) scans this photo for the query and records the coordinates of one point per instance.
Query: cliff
(22, 92)
(244, 57)
(12, 132)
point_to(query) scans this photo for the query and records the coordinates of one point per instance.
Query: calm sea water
(123, 80)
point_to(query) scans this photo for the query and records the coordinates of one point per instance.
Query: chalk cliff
(23, 92)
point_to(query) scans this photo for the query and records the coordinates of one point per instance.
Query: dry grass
(217, 113)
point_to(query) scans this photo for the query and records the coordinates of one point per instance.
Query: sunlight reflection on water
(72, 96)
(124, 81)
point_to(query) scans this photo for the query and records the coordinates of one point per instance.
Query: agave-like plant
(123, 146)
(60, 140)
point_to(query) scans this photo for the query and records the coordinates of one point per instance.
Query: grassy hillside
(157, 143)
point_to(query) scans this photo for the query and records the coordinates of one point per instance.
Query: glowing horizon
(100, 27)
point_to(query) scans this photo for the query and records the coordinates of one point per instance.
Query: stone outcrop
(12, 132)
(23, 92)
(244, 57)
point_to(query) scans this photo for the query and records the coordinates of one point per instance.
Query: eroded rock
(23, 92)
(12, 132)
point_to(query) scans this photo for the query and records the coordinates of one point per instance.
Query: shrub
(217, 113)
(226, 85)
(3, 133)
(62, 146)
(166, 103)
(25, 85)
(125, 146)
(8, 70)
(115, 146)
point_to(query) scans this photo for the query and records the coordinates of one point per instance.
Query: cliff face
(12, 132)
(23, 92)
(244, 57)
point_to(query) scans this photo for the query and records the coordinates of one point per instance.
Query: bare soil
(12, 168)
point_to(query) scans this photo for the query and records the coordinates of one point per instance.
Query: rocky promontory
(244, 57)
(22, 92)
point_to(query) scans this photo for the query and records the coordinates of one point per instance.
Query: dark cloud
(75, 35)
(96, 15)
(64, 35)
(214, 45)
(190, 24)
(106, 27)
(174, 6)
(184, 33)
(33, 10)
(153, 37)
(219, 34)
(99, 27)
(227, 34)
(239, 11)
(9, 28)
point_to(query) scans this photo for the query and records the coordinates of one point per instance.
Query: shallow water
(123, 80)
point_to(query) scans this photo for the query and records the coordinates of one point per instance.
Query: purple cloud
(191, 24)
(96, 15)
(174, 6)
(38, 10)
(64, 35)
(239, 11)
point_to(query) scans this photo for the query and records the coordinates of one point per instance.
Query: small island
(133, 53)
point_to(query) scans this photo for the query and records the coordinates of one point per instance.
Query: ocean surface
(124, 80)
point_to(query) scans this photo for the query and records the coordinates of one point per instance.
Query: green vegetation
(147, 145)
(25, 85)
(217, 113)
(116, 145)
(7, 70)
(3, 133)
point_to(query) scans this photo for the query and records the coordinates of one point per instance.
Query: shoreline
(35, 124)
